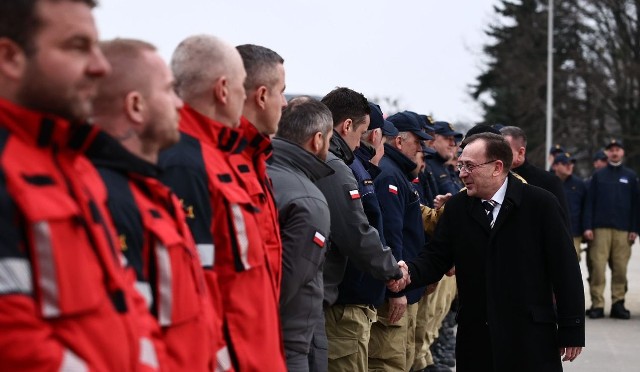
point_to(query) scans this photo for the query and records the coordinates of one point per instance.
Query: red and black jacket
(224, 222)
(65, 299)
(157, 243)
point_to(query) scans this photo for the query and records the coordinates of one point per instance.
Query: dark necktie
(488, 208)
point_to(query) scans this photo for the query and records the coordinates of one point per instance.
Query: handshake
(396, 285)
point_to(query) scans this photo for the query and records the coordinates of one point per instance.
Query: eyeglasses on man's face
(469, 167)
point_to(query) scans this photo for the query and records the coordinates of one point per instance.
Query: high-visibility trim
(15, 276)
(47, 280)
(144, 288)
(241, 233)
(148, 354)
(165, 288)
(207, 254)
(223, 360)
(72, 363)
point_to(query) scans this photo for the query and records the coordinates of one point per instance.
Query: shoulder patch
(319, 239)
(354, 194)
(393, 189)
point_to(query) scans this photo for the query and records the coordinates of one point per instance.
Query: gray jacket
(351, 235)
(304, 228)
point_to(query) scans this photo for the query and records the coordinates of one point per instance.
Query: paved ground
(612, 345)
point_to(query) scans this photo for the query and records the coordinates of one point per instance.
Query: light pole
(549, 83)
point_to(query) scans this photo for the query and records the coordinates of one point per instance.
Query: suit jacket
(507, 277)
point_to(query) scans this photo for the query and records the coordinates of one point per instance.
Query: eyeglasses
(470, 167)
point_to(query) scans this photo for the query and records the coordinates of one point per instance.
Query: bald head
(129, 59)
(205, 66)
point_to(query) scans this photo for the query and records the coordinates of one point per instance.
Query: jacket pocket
(178, 276)
(66, 268)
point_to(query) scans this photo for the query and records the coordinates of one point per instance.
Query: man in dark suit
(510, 262)
(535, 176)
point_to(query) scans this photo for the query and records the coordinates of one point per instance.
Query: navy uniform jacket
(576, 191)
(304, 219)
(612, 199)
(444, 181)
(507, 279)
(400, 205)
(358, 287)
(352, 237)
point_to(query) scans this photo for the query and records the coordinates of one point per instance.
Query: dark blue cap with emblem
(600, 155)
(443, 128)
(564, 158)
(556, 149)
(614, 142)
(408, 123)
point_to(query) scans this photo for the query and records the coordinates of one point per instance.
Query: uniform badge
(393, 189)
(319, 239)
(354, 194)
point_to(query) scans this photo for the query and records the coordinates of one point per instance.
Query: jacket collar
(365, 152)
(406, 165)
(210, 131)
(107, 152)
(339, 148)
(289, 154)
(257, 143)
(45, 130)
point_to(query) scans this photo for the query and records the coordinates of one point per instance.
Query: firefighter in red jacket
(65, 300)
(262, 110)
(138, 108)
(209, 78)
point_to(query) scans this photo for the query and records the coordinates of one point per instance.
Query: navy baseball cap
(405, 122)
(428, 123)
(444, 129)
(600, 155)
(564, 158)
(388, 129)
(498, 126)
(556, 149)
(614, 142)
(377, 120)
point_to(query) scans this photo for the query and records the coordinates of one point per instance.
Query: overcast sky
(423, 52)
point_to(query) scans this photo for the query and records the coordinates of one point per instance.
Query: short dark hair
(303, 118)
(259, 63)
(516, 133)
(345, 103)
(19, 21)
(496, 148)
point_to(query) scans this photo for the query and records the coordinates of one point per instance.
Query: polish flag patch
(415, 180)
(354, 194)
(393, 189)
(319, 239)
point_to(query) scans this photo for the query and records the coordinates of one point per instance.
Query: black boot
(596, 313)
(618, 311)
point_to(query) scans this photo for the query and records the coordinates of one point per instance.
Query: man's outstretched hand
(400, 284)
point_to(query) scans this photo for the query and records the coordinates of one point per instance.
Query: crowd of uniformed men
(201, 222)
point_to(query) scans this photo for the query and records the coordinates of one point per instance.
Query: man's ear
(261, 96)
(499, 168)
(135, 107)
(345, 127)
(317, 142)
(13, 60)
(221, 90)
